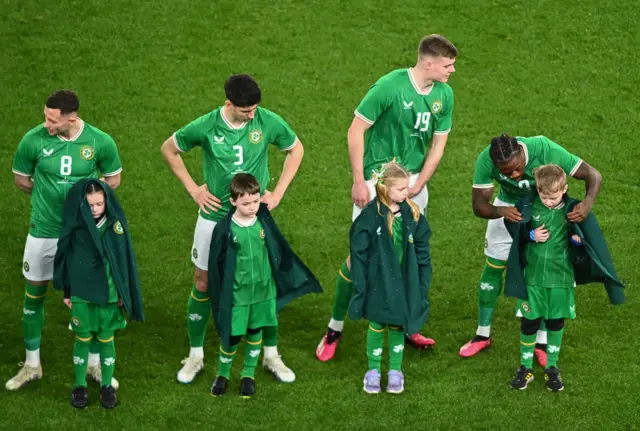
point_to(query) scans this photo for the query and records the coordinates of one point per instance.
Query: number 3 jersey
(538, 151)
(229, 150)
(56, 164)
(403, 120)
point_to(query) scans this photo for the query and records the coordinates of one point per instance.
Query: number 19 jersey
(403, 120)
(229, 150)
(56, 164)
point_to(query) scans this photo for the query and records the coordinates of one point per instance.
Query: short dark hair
(242, 91)
(503, 148)
(93, 188)
(244, 184)
(435, 45)
(64, 100)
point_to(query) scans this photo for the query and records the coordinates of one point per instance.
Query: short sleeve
(483, 172)
(109, 161)
(192, 135)
(374, 104)
(444, 121)
(26, 158)
(283, 135)
(557, 155)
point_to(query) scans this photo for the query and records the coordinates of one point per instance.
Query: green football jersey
(228, 150)
(252, 280)
(548, 263)
(397, 237)
(403, 120)
(56, 164)
(538, 151)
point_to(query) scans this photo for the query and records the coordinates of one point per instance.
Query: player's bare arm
(593, 181)
(289, 169)
(113, 180)
(438, 143)
(355, 139)
(200, 194)
(23, 182)
(480, 199)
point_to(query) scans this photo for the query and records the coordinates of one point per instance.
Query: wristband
(532, 235)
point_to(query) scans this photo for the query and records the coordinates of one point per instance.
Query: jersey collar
(526, 152)
(249, 224)
(101, 222)
(228, 123)
(415, 85)
(76, 136)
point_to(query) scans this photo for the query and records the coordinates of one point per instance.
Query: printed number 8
(65, 165)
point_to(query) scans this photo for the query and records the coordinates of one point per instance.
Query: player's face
(553, 199)
(247, 205)
(58, 123)
(96, 203)
(440, 68)
(514, 168)
(243, 113)
(399, 190)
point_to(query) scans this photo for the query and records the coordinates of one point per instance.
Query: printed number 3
(65, 165)
(238, 149)
(422, 122)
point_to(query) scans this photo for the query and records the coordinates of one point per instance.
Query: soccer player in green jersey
(549, 276)
(234, 138)
(50, 159)
(403, 113)
(510, 161)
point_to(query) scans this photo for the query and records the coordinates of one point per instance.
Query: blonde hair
(550, 178)
(390, 173)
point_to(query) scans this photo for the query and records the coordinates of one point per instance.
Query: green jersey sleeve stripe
(362, 117)
(112, 173)
(20, 173)
(482, 186)
(295, 142)
(575, 168)
(175, 141)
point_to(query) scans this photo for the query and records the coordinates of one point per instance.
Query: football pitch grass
(567, 70)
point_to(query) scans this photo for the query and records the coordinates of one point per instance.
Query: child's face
(96, 203)
(399, 190)
(247, 205)
(552, 199)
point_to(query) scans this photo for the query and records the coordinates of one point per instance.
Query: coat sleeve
(423, 254)
(135, 290)
(359, 251)
(70, 216)
(220, 296)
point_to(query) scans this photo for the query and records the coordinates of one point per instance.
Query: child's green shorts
(253, 316)
(93, 318)
(548, 303)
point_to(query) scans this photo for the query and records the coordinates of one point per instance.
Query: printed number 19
(422, 122)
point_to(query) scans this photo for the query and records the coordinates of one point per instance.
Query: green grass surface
(143, 69)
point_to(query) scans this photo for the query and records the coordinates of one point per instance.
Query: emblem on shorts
(486, 243)
(262, 234)
(75, 321)
(410, 239)
(86, 152)
(525, 307)
(117, 228)
(194, 253)
(25, 266)
(437, 106)
(255, 136)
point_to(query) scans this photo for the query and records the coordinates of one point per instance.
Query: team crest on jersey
(87, 152)
(117, 228)
(75, 321)
(262, 234)
(436, 106)
(525, 307)
(25, 266)
(255, 136)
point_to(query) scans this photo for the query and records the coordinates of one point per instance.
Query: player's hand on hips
(271, 199)
(67, 302)
(205, 199)
(540, 234)
(579, 213)
(360, 194)
(510, 213)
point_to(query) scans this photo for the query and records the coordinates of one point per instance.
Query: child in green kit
(252, 273)
(96, 267)
(545, 263)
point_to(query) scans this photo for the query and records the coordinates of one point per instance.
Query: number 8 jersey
(403, 120)
(229, 150)
(56, 164)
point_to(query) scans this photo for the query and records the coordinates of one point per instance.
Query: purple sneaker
(372, 382)
(395, 385)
